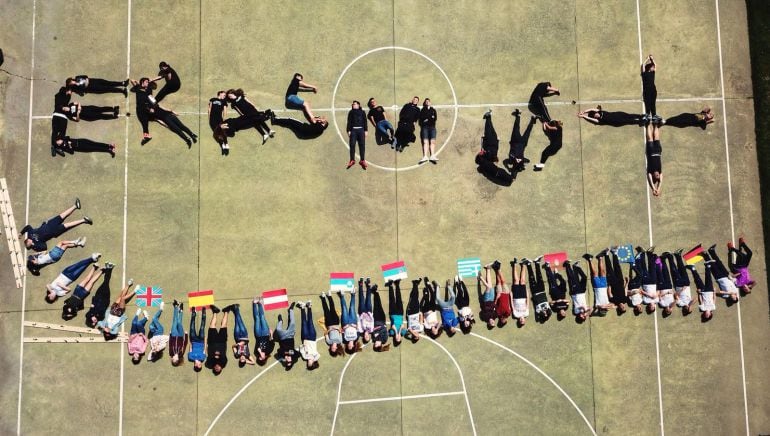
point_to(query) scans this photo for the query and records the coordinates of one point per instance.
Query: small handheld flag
(394, 271)
(200, 299)
(625, 253)
(147, 296)
(468, 267)
(557, 258)
(277, 299)
(341, 281)
(693, 256)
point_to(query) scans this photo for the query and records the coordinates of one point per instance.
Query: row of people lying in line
(652, 280)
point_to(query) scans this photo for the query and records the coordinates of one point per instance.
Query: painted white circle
(392, 47)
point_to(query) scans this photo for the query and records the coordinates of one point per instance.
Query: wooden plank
(75, 340)
(61, 327)
(9, 224)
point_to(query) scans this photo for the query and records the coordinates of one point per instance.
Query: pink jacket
(137, 343)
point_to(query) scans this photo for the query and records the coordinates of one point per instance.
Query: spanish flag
(200, 299)
(693, 256)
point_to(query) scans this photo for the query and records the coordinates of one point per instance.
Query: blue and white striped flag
(469, 267)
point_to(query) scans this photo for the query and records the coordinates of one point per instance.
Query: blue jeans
(260, 322)
(384, 126)
(348, 313)
(156, 328)
(308, 329)
(137, 325)
(288, 333)
(176, 323)
(294, 102)
(364, 305)
(240, 331)
(73, 271)
(197, 336)
(449, 302)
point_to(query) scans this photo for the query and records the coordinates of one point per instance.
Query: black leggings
(650, 95)
(634, 277)
(648, 269)
(686, 120)
(144, 119)
(378, 312)
(463, 298)
(742, 257)
(549, 151)
(491, 141)
(664, 277)
(537, 104)
(87, 146)
(330, 313)
(428, 301)
(518, 141)
(536, 283)
(395, 304)
(615, 278)
(678, 270)
(93, 113)
(58, 128)
(717, 268)
(708, 286)
(577, 279)
(176, 126)
(413, 306)
(101, 86)
(358, 136)
(101, 299)
(168, 88)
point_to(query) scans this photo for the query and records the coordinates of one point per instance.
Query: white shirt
(578, 303)
(520, 308)
(309, 350)
(666, 298)
(465, 312)
(430, 319)
(59, 283)
(413, 322)
(601, 298)
(652, 290)
(685, 296)
(350, 333)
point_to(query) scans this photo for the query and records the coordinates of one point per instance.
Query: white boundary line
(462, 380)
(26, 218)
(125, 223)
(238, 394)
(404, 397)
(732, 217)
(478, 105)
(339, 392)
(649, 221)
(395, 48)
(547, 377)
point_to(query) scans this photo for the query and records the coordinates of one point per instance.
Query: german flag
(693, 256)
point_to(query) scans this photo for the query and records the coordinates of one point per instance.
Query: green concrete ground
(286, 213)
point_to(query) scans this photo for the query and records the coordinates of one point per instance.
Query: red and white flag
(277, 299)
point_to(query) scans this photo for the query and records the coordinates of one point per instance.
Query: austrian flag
(276, 299)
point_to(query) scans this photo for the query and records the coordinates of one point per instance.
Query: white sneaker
(130, 282)
(81, 242)
(433, 158)
(138, 312)
(539, 166)
(265, 137)
(96, 256)
(271, 133)
(162, 305)
(146, 315)
(423, 160)
(307, 304)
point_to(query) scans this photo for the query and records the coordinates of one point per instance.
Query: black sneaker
(88, 220)
(194, 138)
(588, 256)
(214, 309)
(516, 112)
(496, 265)
(77, 203)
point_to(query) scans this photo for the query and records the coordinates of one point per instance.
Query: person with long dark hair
(414, 320)
(519, 141)
(83, 84)
(309, 349)
(217, 110)
(74, 303)
(173, 83)
(100, 302)
(601, 117)
(463, 303)
(552, 130)
(738, 260)
(380, 331)
(706, 303)
(407, 117)
(249, 117)
(333, 333)
(263, 344)
(396, 312)
(357, 129)
(701, 119)
(680, 279)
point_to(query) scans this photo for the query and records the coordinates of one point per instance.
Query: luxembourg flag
(277, 299)
(341, 281)
(394, 271)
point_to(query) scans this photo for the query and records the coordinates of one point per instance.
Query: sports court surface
(286, 213)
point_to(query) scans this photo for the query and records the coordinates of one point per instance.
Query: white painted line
(26, 219)
(339, 391)
(732, 217)
(125, 223)
(238, 394)
(473, 105)
(547, 377)
(462, 380)
(242, 390)
(405, 397)
(649, 222)
(454, 106)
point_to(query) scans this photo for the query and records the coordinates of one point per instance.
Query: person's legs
(717, 268)
(92, 277)
(125, 295)
(291, 329)
(137, 324)
(176, 322)
(582, 279)
(307, 111)
(433, 143)
(239, 331)
(425, 303)
(392, 300)
(67, 212)
(463, 297)
(73, 271)
(368, 302)
(378, 311)
(360, 297)
(156, 328)
(489, 130)
(193, 332)
(413, 305)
